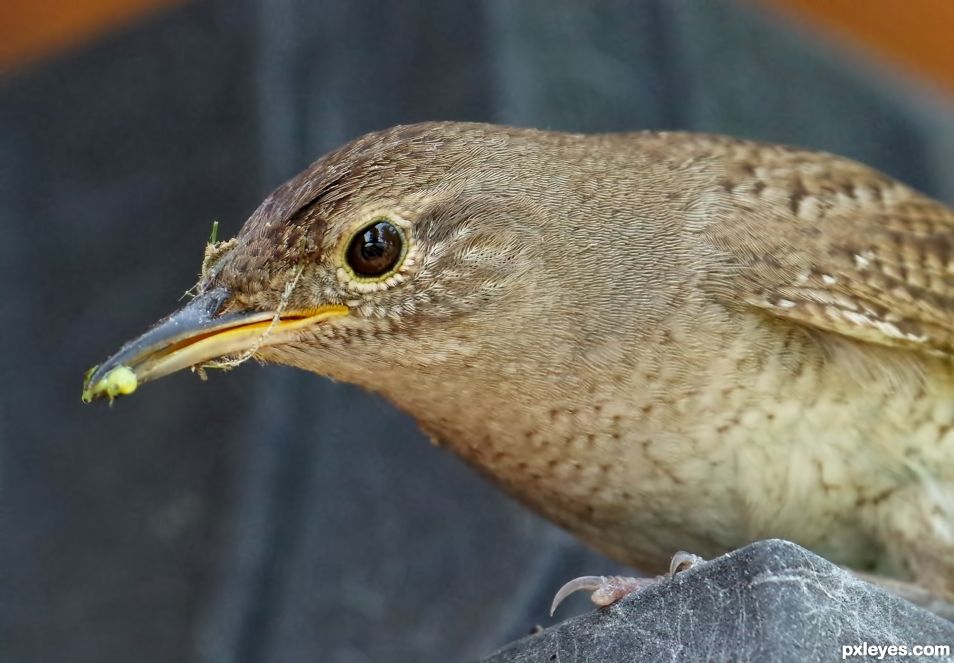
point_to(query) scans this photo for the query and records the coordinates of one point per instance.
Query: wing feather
(830, 243)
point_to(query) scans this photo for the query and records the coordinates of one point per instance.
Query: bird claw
(604, 590)
(607, 590)
(683, 561)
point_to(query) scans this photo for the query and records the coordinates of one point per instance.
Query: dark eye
(375, 250)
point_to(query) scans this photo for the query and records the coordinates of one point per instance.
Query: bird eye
(375, 249)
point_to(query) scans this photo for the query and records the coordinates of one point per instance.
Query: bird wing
(832, 244)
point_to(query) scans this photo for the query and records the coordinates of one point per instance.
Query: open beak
(193, 336)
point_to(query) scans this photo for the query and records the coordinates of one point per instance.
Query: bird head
(405, 249)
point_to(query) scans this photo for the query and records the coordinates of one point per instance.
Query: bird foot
(607, 590)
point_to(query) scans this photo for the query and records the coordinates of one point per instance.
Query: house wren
(659, 341)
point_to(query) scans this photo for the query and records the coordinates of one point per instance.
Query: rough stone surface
(770, 601)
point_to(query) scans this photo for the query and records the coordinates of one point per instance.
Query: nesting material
(228, 364)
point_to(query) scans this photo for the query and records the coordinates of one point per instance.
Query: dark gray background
(269, 515)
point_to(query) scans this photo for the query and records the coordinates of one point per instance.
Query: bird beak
(192, 336)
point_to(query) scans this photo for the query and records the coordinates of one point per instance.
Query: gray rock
(769, 601)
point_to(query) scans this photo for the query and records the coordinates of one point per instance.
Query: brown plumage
(660, 341)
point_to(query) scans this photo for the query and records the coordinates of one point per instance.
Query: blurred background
(269, 515)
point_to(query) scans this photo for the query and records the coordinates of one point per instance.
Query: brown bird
(659, 341)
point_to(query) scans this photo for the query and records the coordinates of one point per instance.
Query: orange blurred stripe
(30, 29)
(916, 34)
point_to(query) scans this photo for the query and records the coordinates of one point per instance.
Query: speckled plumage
(660, 341)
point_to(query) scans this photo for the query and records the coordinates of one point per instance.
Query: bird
(660, 341)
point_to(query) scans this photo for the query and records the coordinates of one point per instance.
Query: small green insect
(120, 381)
